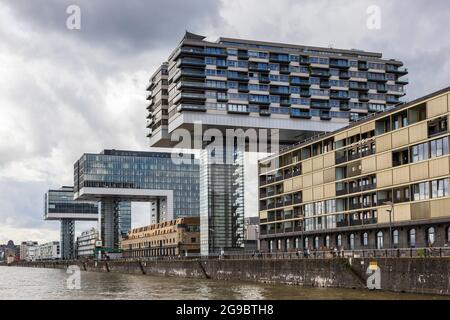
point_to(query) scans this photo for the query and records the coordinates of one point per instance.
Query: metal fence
(438, 252)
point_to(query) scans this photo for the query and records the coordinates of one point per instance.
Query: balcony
(190, 51)
(344, 107)
(190, 85)
(382, 89)
(378, 77)
(363, 66)
(305, 60)
(396, 69)
(344, 75)
(320, 104)
(325, 116)
(370, 221)
(279, 91)
(363, 98)
(239, 77)
(320, 73)
(191, 73)
(243, 88)
(298, 113)
(264, 79)
(390, 99)
(264, 112)
(191, 107)
(354, 190)
(258, 67)
(340, 95)
(355, 222)
(305, 93)
(341, 192)
(243, 55)
(279, 58)
(402, 80)
(354, 156)
(183, 96)
(354, 206)
(339, 64)
(325, 84)
(215, 52)
(360, 86)
(190, 62)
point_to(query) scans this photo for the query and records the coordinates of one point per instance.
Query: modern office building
(48, 251)
(25, 247)
(87, 243)
(60, 205)
(117, 178)
(178, 237)
(381, 182)
(292, 90)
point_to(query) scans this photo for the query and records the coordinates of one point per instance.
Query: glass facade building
(117, 178)
(60, 205)
(113, 169)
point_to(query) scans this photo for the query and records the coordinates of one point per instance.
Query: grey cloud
(124, 26)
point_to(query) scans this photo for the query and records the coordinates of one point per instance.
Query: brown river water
(34, 283)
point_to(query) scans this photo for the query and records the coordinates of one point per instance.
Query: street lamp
(391, 213)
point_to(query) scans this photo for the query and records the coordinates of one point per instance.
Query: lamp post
(391, 212)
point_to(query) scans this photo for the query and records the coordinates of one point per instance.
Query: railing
(294, 254)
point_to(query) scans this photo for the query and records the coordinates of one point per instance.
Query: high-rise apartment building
(243, 83)
(295, 90)
(381, 182)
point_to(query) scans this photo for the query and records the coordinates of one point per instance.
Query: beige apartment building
(178, 237)
(381, 182)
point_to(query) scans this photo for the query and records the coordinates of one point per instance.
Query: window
(439, 188)
(339, 240)
(380, 240)
(430, 235)
(421, 191)
(396, 237)
(439, 147)
(365, 239)
(288, 244)
(412, 238)
(316, 243)
(419, 152)
(270, 245)
(297, 243)
(279, 244)
(352, 241)
(327, 241)
(448, 234)
(306, 242)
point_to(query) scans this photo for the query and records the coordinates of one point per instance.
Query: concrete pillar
(67, 239)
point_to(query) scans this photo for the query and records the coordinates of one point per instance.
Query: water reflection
(35, 283)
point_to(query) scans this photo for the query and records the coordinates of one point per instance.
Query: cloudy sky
(65, 92)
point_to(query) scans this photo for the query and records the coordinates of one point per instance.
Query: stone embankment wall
(413, 275)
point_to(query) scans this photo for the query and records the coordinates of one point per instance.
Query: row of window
(430, 237)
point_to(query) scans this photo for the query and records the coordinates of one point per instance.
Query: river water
(35, 283)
